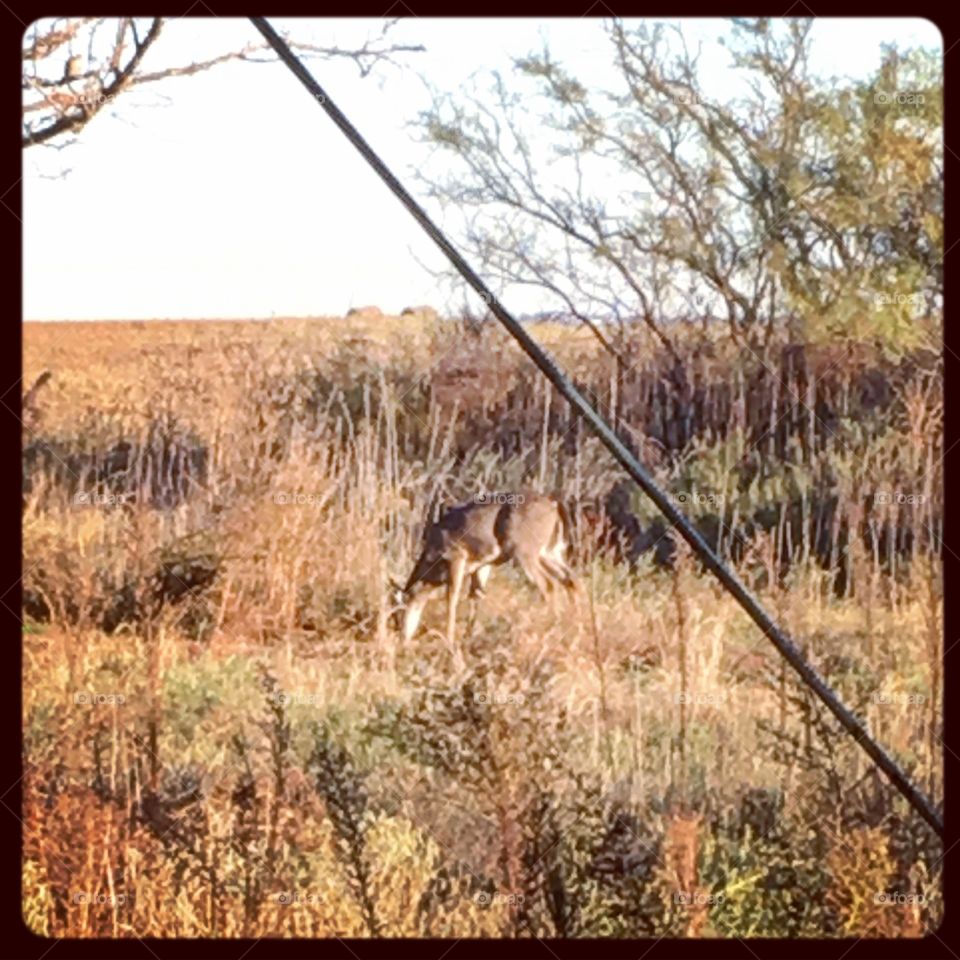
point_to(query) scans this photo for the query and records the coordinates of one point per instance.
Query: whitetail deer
(470, 539)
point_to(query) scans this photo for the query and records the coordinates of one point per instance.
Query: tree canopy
(806, 207)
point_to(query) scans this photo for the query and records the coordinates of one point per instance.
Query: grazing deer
(468, 540)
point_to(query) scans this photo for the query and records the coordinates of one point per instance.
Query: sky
(230, 194)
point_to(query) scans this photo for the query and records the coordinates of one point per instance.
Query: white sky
(230, 194)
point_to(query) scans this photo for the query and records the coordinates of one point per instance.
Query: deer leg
(532, 568)
(558, 572)
(557, 569)
(458, 571)
(413, 612)
(478, 581)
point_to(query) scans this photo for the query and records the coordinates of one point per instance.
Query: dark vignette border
(19, 941)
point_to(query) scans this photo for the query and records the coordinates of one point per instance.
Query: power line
(849, 721)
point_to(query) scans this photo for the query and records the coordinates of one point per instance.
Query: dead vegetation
(225, 737)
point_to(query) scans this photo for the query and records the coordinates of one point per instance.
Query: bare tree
(74, 67)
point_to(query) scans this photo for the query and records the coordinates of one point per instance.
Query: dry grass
(260, 755)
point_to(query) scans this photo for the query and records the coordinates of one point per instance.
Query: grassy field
(225, 736)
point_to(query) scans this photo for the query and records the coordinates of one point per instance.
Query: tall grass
(225, 737)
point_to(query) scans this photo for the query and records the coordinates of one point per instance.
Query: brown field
(225, 736)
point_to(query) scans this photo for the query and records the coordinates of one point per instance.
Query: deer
(470, 539)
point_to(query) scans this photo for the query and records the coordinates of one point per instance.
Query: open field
(225, 735)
